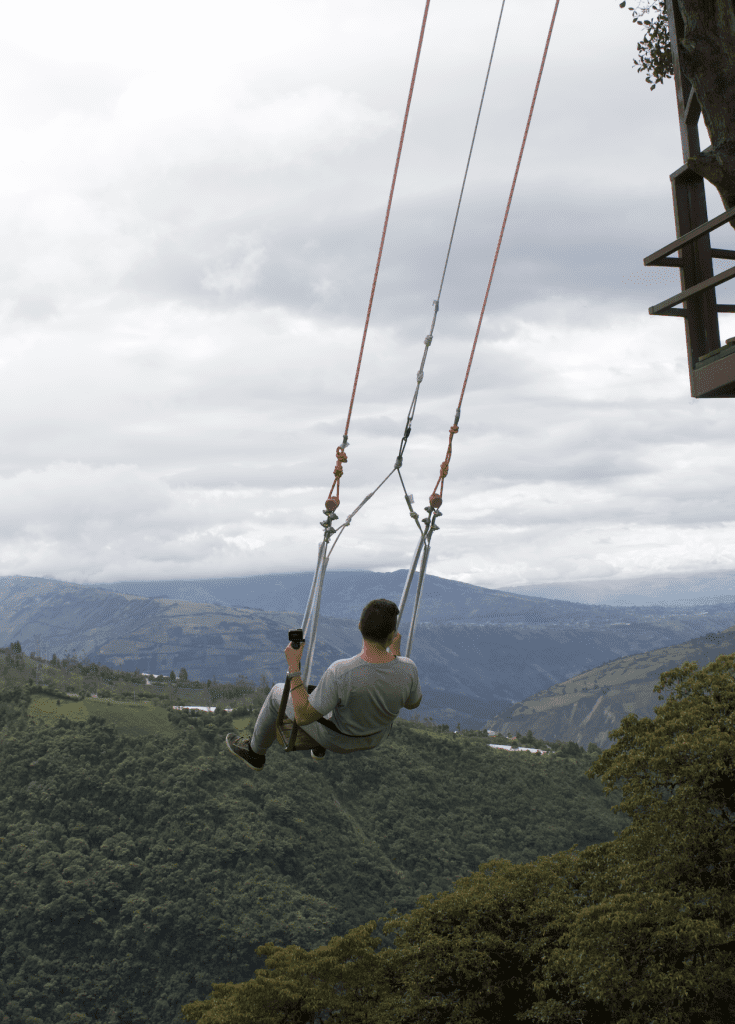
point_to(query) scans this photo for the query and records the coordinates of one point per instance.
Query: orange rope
(436, 498)
(333, 502)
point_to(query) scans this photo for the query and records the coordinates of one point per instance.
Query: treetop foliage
(637, 929)
(654, 50)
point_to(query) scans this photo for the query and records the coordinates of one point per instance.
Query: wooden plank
(703, 286)
(690, 236)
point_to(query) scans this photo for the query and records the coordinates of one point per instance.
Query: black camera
(296, 638)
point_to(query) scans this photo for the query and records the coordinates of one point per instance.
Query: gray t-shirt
(362, 698)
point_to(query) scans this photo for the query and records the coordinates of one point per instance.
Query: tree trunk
(707, 54)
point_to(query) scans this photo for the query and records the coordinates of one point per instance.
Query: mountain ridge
(477, 651)
(586, 707)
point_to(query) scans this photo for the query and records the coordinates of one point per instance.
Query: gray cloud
(195, 216)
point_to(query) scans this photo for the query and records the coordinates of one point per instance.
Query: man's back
(362, 699)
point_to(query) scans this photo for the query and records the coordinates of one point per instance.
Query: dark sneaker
(240, 747)
(318, 753)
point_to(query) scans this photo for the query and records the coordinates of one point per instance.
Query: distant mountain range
(345, 593)
(478, 651)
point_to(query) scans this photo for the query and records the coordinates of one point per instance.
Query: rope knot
(332, 503)
(444, 468)
(341, 457)
(453, 430)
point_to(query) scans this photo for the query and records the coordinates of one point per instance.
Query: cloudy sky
(192, 196)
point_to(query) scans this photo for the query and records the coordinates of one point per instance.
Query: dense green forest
(149, 878)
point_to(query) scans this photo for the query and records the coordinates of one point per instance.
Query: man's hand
(395, 647)
(293, 657)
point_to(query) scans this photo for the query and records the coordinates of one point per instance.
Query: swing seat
(302, 740)
(288, 733)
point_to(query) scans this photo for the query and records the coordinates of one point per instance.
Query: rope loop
(436, 498)
(332, 503)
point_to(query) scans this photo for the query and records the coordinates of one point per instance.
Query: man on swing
(361, 696)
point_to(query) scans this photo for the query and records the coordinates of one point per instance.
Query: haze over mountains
(676, 588)
(478, 651)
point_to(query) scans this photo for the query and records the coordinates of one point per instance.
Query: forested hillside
(141, 863)
(145, 874)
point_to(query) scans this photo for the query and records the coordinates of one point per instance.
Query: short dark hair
(378, 620)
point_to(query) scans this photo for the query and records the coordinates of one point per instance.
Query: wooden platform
(714, 373)
(711, 363)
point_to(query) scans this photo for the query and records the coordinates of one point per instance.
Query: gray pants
(264, 731)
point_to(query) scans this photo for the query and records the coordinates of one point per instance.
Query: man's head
(378, 622)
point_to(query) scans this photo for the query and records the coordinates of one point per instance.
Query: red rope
(333, 502)
(436, 498)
